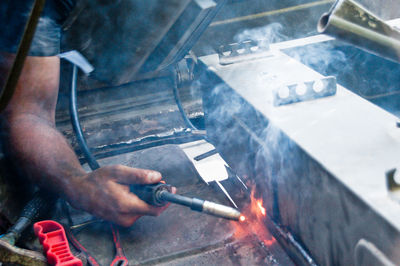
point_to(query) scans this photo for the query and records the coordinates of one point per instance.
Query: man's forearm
(42, 153)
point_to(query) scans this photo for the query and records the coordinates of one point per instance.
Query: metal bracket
(243, 51)
(305, 91)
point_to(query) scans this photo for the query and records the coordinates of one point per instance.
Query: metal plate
(320, 165)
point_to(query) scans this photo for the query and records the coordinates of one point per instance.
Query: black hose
(180, 107)
(73, 109)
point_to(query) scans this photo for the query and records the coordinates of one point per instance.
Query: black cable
(180, 107)
(73, 109)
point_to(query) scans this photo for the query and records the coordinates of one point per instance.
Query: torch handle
(192, 203)
(160, 194)
(149, 193)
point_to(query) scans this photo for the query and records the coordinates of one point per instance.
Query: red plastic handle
(55, 244)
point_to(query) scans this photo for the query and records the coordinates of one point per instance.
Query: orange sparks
(252, 222)
(269, 242)
(262, 209)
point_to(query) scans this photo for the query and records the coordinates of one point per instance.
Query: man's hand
(105, 193)
(44, 156)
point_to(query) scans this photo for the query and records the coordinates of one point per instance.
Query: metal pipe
(350, 22)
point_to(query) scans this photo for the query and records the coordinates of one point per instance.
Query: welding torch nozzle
(160, 194)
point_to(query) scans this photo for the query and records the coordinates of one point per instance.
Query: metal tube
(200, 205)
(177, 199)
(221, 210)
(350, 22)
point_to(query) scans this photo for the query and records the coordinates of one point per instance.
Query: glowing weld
(262, 209)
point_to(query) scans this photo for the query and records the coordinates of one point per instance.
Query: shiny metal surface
(221, 210)
(350, 22)
(320, 165)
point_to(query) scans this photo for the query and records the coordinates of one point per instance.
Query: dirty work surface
(179, 236)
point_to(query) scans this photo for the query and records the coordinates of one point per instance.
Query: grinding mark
(271, 13)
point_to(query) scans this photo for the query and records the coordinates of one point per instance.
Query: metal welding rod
(160, 194)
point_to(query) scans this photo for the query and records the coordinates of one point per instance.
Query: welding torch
(160, 194)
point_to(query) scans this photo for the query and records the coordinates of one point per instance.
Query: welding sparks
(262, 209)
(252, 222)
(269, 242)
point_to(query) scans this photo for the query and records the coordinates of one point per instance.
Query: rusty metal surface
(114, 118)
(12, 255)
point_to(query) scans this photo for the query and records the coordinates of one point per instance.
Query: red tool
(91, 261)
(55, 244)
(120, 258)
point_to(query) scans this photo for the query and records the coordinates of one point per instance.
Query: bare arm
(44, 156)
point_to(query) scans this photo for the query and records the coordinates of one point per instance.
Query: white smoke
(271, 33)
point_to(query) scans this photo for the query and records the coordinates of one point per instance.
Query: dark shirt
(46, 42)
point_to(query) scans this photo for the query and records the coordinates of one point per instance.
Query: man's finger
(173, 190)
(128, 175)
